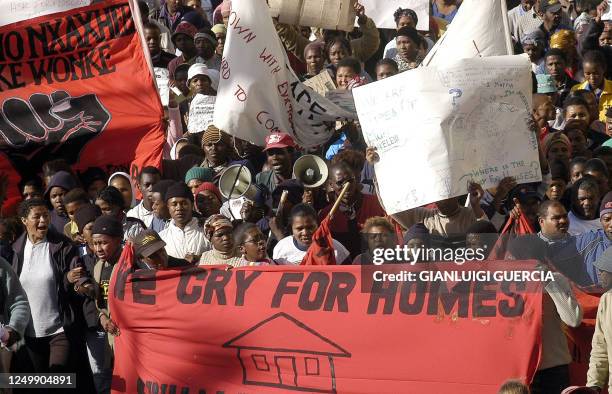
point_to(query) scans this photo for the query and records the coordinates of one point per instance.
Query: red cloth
(512, 229)
(369, 208)
(321, 251)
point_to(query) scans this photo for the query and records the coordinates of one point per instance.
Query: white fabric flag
(445, 126)
(480, 28)
(381, 12)
(259, 93)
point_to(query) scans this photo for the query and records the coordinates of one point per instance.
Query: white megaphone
(235, 181)
(311, 170)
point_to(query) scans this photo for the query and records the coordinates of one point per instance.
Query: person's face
(181, 210)
(405, 21)
(578, 113)
(558, 151)
(533, 52)
(279, 160)
(606, 223)
(384, 71)
(30, 192)
(147, 181)
(406, 48)
(180, 78)
(184, 43)
(200, 84)
(305, 31)
(153, 40)
(254, 246)
(594, 74)
(545, 111)
(344, 75)
(105, 246)
(380, 238)
(222, 240)
(527, 4)
(95, 188)
(591, 101)
(173, 5)
(448, 206)
(605, 39)
(556, 189)
(576, 172)
(601, 179)
(157, 260)
(72, 207)
(555, 66)
(160, 209)
(220, 43)
(37, 222)
(555, 224)
(216, 152)
(195, 4)
(302, 228)
(553, 18)
(108, 209)
(208, 203)
(204, 48)
(337, 52)
(56, 195)
(124, 186)
(578, 141)
(193, 184)
(609, 127)
(314, 61)
(340, 176)
(588, 201)
(87, 234)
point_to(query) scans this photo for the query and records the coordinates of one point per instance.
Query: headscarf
(553, 138)
(564, 40)
(536, 38)
(126, 176)
(214, 223)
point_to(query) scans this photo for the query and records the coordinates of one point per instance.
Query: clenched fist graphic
(47, 127)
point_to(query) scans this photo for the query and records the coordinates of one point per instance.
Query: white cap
(201, 69)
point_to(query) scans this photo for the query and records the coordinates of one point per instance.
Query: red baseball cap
(279, 140)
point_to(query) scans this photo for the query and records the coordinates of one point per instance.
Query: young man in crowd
(147, 178)
(110, 202)
(279, 150)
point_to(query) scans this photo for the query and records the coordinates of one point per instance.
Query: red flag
(512, 229)
(321, 251)
(82, 91)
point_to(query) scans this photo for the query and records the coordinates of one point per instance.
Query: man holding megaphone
(279, 151)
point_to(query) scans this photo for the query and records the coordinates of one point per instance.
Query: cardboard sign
(321, 83)
(327, 14)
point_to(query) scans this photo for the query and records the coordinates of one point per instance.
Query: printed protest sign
(162, 77)
(447, 126)
(201, 112)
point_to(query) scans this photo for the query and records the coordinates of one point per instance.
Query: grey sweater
(15, 309)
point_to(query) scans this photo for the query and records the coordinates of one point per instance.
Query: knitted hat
(204, 174)
(178, 189)
(606, 204)
(185, 28)
(214, 135)
(108, 225)
(219, 29)
(211, 187)
(85, 214)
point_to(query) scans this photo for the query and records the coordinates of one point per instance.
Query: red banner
(316, 329)
(76, 85)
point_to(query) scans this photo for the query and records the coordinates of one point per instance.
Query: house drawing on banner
(283, 352)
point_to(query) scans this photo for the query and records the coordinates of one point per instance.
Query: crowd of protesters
(59, 250)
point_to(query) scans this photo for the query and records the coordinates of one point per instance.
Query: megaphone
(311, 170)
(235, 181)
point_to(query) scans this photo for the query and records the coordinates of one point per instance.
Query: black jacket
(62, 254)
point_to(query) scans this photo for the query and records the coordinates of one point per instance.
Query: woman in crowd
(252, 244)
(219, 231)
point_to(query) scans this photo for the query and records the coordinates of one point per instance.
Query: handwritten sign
(327, 14)
(447, 126)
(201, 112)
(381, 12)
(162, 77)
(607, 16)
(19, 10)
(321, 83)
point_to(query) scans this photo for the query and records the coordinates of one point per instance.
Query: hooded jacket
(66, 181)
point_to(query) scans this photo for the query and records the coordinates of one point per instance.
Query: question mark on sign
(455, 93)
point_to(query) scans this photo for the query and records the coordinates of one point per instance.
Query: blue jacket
(591, 245)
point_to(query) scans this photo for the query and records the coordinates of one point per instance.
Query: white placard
(201, 112)
(381, 12)
(162, 77)
(438, 128)
(608, 15)
(258, 91)
(19, 10)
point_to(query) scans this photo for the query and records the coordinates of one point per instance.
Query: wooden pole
(338, 200)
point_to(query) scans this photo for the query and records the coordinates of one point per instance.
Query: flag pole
(331, 213)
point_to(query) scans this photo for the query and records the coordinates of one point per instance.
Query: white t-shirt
(287, 252)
